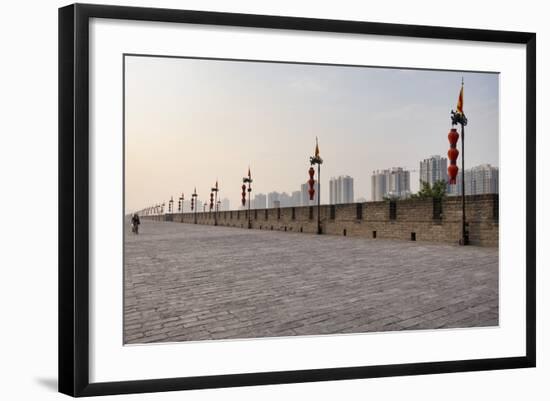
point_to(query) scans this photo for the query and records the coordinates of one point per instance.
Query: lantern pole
(248, 180)
(464, 235)
(460, 118)
(317, 160)
(194, 196)
(215, 190)
(249, 220)
(319, 231)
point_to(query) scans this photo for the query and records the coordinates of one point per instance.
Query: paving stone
(186, 282)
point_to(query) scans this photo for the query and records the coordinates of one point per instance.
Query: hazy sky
(189, 122)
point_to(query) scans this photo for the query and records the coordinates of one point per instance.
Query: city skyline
(481, 179)
(190, 122)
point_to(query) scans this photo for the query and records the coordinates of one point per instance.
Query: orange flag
(460, 103)
(316, 147)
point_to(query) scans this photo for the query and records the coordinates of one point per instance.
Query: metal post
(249, 222)
(465, 238)
(318, 161)
(195, 204)
(216, 208)
(319, 230)
(459, 118)
(248, 180)
(182, 200)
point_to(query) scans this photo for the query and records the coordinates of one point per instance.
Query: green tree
(438, 190)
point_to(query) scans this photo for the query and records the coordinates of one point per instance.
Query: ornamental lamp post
(247, 180)
(318, 161)
(193, 204)
(458, 117)
(215, 200)
(171, 205)
(180, 203)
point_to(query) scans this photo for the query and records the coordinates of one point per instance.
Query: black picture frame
(74, 198)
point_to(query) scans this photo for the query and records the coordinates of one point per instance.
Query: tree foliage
(438, 190)
(389, 197)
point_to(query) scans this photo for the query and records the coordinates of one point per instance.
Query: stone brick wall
(419, 220)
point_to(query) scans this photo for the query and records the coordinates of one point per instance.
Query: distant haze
(189, 122)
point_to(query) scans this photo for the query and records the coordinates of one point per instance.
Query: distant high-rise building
(433, 169)
(378, 185)
(285, 200)
(198, 205)
(260, 201)
(296, 198)
(341, 189)
(400, 183)
(186, 206)
(305, 194)
(482, 179)
(225, 205)
(394, 183)
(271, 198)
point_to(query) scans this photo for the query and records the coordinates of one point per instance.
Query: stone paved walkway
(190, 282)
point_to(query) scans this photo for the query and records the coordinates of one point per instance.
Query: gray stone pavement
(186, 282)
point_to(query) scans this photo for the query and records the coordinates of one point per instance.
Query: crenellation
(422, 220)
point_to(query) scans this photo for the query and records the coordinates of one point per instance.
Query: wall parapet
(427, 220)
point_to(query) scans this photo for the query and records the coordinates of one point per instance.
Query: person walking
(135, 223)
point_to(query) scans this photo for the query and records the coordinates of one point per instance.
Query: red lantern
(192, 203)
(311, 183)
(243, 194)
(453, 154)
(211, 200)
(452, 170)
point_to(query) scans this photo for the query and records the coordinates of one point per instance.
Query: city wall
(425, 220)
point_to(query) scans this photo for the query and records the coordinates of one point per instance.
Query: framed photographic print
(250, 199)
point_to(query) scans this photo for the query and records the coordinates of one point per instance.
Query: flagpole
(195, 204)
(248, 180)
(319, 231)
(317, 160)
(216, 208)
(458, 117)
(215, 190)
(464, 236)
(249, 221)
